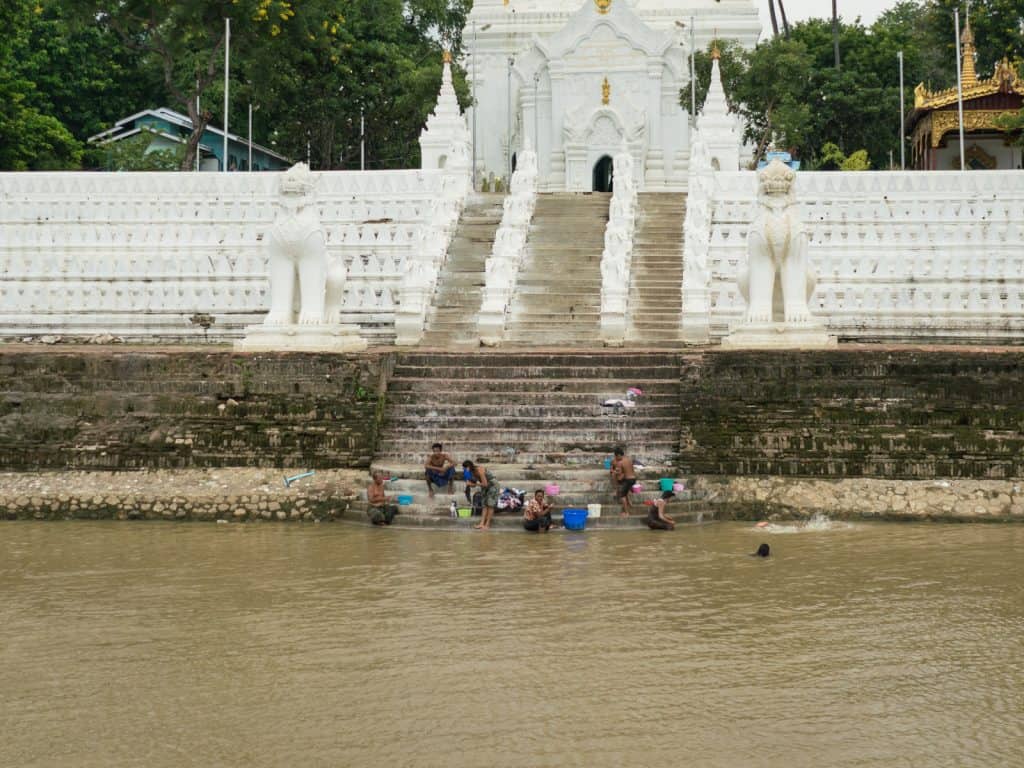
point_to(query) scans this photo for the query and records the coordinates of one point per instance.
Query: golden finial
(716, 54)
(603, 6)
(447, 58)
(970, 74)
(606, 92)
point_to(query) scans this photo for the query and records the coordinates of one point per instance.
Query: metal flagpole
(693, 70)
(250, 137)
(362, 139)
(959, 87)
(509, 141)
(473, 85)
(903, 117)
(227, 86)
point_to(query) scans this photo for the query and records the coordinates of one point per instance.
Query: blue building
(170, 129)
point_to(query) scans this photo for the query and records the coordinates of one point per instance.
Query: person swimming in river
(657, 520)
(762, 551)
(440, 470)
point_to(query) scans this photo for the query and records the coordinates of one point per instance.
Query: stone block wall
(858, 412)
(100, 409)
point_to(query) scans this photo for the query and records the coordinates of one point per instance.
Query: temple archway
(604, 175)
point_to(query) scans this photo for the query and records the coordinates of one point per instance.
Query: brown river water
(262, 645)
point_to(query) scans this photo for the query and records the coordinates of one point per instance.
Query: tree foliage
(789, 90)
(29, 139)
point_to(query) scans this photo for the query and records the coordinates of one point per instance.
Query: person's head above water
(763, 551)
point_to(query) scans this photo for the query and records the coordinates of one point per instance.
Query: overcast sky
(797, 10)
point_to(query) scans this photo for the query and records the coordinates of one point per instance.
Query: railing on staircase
(617, 259)
(424, 265)
(503, 265)
(696, 316)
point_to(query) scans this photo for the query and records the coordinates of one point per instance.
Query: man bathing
(624, 477)
(657, 520)
(380, 506)
(482, 477)
(440, 470)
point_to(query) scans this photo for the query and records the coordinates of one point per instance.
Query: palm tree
(785, 20)
(835, 31)
(774, 18)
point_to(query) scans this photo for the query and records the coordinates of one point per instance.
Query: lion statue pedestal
(778, 280)
(306, 288)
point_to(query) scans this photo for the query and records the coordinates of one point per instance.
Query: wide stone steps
(657, 270)
(459, 292)
(558, 291)
(536, 407)
(577, 489)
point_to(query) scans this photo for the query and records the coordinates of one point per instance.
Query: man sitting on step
(440, 470)
(379, 506)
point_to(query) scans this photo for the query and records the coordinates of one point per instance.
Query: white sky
(797, 10)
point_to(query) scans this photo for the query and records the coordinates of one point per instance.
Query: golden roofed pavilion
(934, 125)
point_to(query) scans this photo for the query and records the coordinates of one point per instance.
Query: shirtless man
(380, 506)
(624, 477)
(440, 470)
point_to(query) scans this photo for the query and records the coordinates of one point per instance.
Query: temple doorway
(604, 175)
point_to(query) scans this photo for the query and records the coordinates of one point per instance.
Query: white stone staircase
(452, 320)
(655, 301)
(557, 300)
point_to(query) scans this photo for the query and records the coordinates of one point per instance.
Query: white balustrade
(138, 254)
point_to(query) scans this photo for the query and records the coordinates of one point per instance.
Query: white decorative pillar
(717, 125)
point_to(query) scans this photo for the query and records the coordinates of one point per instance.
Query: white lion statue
(778, 280)
(298, 254)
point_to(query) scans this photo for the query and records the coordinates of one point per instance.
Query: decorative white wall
(930, 256)
(139, 255)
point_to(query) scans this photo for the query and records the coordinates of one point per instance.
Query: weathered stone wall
(105, 409)
(856, 412)
(755, 498)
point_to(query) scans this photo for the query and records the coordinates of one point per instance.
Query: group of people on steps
(439, 472)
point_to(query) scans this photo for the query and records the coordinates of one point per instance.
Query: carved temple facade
(579, 79)
(934, 125)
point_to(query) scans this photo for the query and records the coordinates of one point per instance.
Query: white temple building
(579, 77)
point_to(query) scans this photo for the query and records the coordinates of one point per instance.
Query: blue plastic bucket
(666, 483)
(404, 500)
(575, 519)
(607, 463)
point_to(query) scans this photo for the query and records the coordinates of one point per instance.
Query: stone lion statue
(778, 281)
(305, 286)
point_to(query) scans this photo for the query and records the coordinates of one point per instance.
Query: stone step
(546, 374)
(484, 412)
(568, 459)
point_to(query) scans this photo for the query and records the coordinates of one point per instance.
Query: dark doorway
(604, 175)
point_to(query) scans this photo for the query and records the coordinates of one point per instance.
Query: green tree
(84, 75)
(186, 40)
(382, 65)
(29, 139)
(137, 153)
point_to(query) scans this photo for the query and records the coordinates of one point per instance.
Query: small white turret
(445, 141)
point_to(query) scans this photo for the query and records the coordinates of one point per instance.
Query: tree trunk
(199, 122)
(785, 21)
(775, 19)
(835, 32)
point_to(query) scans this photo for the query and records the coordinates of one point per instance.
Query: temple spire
(969, 73)
(447, 125)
